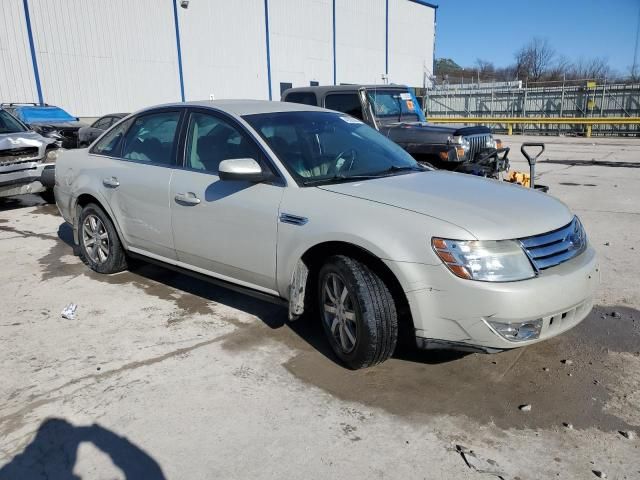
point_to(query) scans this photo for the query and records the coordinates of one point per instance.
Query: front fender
(386, 232)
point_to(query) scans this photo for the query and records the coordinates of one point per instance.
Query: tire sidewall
(363, 335)
(115, 247)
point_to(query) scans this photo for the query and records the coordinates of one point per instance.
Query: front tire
(100, 246)
(357, 311)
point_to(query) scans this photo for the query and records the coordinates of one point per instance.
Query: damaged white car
(313, 208)
(27, 159)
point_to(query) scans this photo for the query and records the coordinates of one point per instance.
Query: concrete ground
(162, 376)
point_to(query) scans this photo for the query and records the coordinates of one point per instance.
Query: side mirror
(246, 169)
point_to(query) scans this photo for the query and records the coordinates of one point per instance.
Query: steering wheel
(347, 156)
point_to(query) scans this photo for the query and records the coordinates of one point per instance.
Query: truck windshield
(43, 114)
(8, 124)
(324, 147)
(398, 105)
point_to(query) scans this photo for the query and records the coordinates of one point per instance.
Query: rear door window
(348, 103)
(152, 138)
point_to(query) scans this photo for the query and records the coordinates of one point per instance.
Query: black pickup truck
(394, 111)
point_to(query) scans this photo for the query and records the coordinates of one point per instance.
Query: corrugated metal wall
(223, 49)
(101, 56)
(301, 35)
(360, 41)
(411, 41)
(16, 71)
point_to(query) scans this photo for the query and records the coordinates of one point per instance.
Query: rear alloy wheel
(357, 311)
(99, 243)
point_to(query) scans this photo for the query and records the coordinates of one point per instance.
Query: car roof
(246, 107)
(342, 88)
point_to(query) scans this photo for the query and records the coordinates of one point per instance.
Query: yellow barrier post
(509, 129)
(588, 134)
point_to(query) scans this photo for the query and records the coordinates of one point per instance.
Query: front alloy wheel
(339, 313)
(357, 311)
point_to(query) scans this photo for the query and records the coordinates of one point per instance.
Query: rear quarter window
(306, 98)
(111, 143)
(348, 103)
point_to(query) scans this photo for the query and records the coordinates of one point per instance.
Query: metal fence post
(524, 107)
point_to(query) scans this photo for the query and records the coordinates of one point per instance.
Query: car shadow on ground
(597, 163)
(20, 201)
(275, 316)
(53, 452)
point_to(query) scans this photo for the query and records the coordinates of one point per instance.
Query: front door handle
(188, 198)
(111, 182)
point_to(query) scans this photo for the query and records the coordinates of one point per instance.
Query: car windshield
(325, 147)
(8, 124)
(43, 114)
(399, 105)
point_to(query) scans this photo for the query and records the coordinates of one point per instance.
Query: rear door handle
(111, 182)
(188, 198)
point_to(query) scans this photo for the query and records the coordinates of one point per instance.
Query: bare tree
(486, 70)
(559, 69)
(534, 59)
(590, 68)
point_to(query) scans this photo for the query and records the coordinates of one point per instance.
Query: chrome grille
(17, 155)
(553, 248)
(477, 143)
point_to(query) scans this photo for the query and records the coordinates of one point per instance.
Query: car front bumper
(31, 177)
(450, 311)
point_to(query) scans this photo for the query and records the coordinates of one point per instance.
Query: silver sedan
(317, 210)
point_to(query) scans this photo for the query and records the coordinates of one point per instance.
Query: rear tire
(100, 246)
(357, 311)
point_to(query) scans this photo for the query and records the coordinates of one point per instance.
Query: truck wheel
(357, 311)
(100, 246)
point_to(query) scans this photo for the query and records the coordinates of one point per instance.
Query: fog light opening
(518, 332)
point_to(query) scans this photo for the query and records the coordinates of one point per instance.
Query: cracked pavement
(163, 376)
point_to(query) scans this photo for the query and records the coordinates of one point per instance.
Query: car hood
(9, 141)
(487, 209)
(419, 127)
(58, 125)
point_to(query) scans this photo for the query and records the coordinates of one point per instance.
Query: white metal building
(93, 57)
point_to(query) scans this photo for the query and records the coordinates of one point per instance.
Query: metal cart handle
(532, 159)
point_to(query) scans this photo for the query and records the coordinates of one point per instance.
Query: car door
(227, 228)
(137, 182)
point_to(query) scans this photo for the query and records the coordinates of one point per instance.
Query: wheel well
(84, 200)
(315, 257)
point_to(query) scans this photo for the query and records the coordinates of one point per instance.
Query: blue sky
(575, 28)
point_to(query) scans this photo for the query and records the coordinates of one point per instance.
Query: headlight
(460, 140)
(491, 143)
(52, 155)
(489, 261)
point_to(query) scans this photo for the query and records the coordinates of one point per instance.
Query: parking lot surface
(163, 376)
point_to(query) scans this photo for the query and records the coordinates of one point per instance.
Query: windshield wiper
(395, 168)
(383, 173)
(339, 178)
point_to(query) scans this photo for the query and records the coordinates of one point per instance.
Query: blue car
(49, 121)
